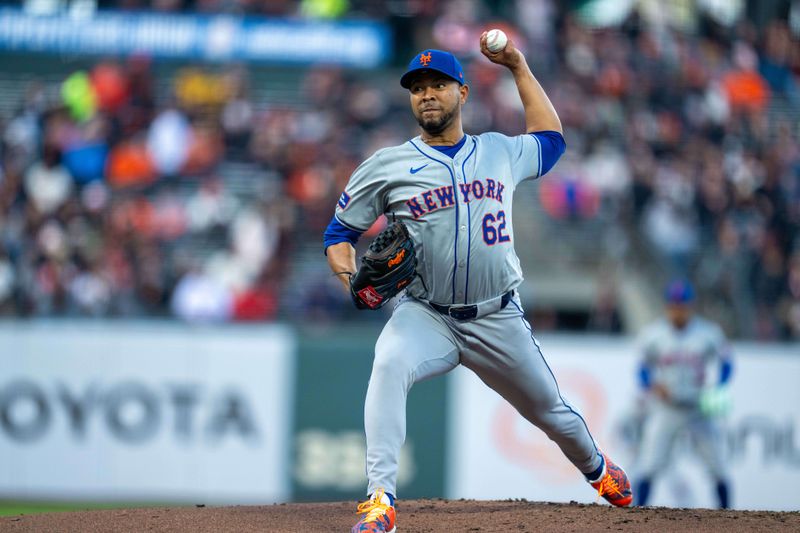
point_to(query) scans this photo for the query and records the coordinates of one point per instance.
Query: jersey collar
(436, 154)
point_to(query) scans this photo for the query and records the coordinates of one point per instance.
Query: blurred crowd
(122, 195)
(690, 145)
(110, 202)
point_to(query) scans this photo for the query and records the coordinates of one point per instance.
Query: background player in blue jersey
(685, 361)
(454, 193)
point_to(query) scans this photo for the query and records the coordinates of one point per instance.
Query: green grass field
(10, 508)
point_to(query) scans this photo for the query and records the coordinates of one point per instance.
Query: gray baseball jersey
(682, 360)
(458, 211)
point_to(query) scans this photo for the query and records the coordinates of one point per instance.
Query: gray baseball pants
(419, 343)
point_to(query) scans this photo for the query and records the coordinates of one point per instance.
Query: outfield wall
(152, 412)
(145, 412)
(497, 454)
(98, 411)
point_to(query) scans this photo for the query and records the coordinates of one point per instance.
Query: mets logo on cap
(442, 62)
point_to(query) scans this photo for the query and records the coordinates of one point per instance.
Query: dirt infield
(413, 516)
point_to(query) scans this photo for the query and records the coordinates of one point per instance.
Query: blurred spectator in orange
(129, 164)
(745, 88)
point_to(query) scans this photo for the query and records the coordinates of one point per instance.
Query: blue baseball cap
(428, 60)
(679, 291)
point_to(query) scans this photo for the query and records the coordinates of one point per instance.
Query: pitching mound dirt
(413, 516)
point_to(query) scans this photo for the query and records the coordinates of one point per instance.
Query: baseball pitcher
(450, 250)
(686, 363)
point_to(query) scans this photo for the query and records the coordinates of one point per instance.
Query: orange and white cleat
(379, 515)
(613, 485)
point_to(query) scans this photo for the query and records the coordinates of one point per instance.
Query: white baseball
(496, 40)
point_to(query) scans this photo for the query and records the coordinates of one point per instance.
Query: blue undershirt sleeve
(553, 146)
(644, 377)
(725, 370)
(337, 232)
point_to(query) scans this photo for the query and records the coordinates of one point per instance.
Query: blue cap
(679, 291)
(428, 60)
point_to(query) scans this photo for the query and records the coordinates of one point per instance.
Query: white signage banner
(145, 412)
(496, 454)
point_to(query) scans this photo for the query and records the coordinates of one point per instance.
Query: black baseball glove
(387, 267)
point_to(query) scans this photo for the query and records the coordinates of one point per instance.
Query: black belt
(468, 312)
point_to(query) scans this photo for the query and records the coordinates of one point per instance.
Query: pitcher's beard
(436, 126)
